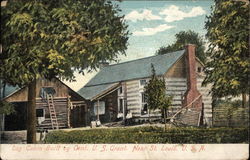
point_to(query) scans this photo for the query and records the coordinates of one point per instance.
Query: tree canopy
(228, 34)
(51, 38)
(155, 91)
(48, 38)
(182, 39)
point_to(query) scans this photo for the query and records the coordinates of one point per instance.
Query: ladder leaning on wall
(52, 112)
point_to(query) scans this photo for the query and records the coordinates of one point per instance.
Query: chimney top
(190, 44)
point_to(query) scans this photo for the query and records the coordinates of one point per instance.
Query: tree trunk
(4, 86)
(165, 122)
(244, 100)
(1, 90)
(2, 123)
(31, 113)
(1, 97)
(249, 98)
(149, 117)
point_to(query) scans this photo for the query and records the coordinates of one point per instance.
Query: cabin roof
(135, 69)
(11, 90)
(93, 91)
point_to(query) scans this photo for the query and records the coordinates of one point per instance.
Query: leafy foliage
(233, 103)
(6, 108)
(155, 92)
(51, 38)
(150, 135)
(48, 38)
(228, 33)
(182, 39)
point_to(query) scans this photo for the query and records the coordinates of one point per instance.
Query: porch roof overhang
(99, 91)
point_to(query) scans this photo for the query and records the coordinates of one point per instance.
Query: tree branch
(246, 1)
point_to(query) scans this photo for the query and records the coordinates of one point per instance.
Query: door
(78, 116)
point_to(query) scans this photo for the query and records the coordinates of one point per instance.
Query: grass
(150, 134)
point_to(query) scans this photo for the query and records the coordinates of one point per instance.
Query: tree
(155, 93)
(182, 39)
(50, 38)
(5, 107)
(228, 33)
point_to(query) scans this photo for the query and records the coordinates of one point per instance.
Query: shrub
(6, 108)
(150, 135)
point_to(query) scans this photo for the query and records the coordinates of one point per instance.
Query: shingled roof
(8, 90)
(135, 69)
(11, 90)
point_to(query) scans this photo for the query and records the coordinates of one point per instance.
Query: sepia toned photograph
(124, 79)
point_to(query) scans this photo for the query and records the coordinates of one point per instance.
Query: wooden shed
(57, 106)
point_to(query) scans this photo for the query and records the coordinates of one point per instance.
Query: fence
(229, 116)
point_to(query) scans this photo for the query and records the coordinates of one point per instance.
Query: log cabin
(117, 91)
(57, 106)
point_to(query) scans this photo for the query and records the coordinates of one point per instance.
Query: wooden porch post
(97, 110)
(125, 102)
(123, 110)
(2, 122)
(69, 110)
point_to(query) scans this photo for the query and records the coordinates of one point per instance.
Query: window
(143, 98)
(46, 90)
(144, 107)
(199, 69)
(120, 108)
(40, 113)
(101, 108)
(120, 90)
(143, 82)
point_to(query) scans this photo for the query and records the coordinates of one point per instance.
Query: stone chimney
(103, 64)
(192, 92)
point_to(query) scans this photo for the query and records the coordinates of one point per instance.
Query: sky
(153, 24)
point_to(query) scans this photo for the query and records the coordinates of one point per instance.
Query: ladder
(52, 111)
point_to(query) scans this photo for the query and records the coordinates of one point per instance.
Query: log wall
(134, 104)
(133, 97)
(61, 108)
(176, 87)
(22, 94)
